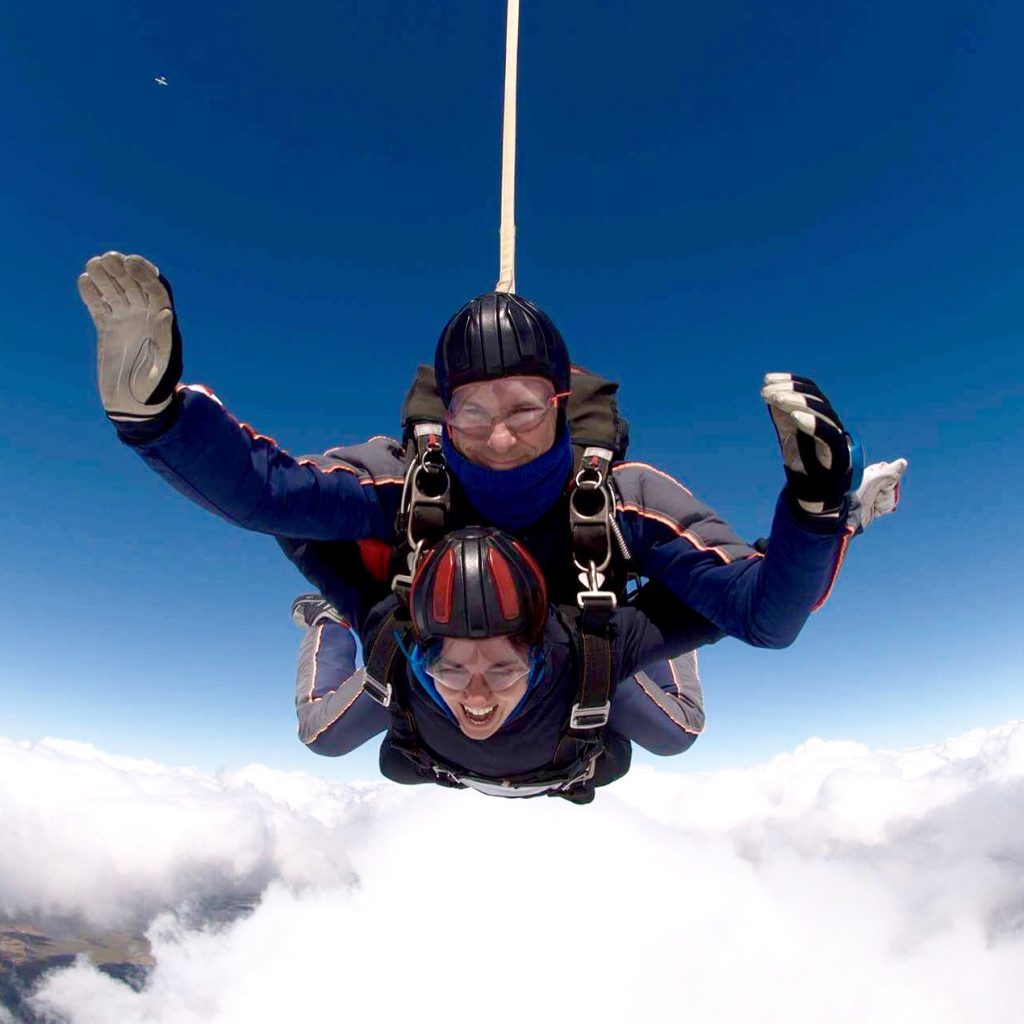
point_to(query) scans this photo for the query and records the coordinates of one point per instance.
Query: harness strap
(427, 436)
(381, 658)
(425, 507)
(591, 511)
(591, 508)
(593, 705)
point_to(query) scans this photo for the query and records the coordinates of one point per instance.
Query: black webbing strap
(423, 513)
(380, 660)
(430, 497)
(594, 686)
(591, 509)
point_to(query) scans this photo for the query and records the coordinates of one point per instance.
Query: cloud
(114, 841)
(832, 882)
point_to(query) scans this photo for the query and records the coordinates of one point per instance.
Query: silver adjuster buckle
(380, 692)
(590, 718)
(401, 584)
(400, 587)
(584, 776)
(600, 600)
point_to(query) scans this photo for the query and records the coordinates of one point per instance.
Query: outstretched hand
(815, 445)
(139, 345)
(878, 494)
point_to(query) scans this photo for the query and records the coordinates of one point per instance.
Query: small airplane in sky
(160, 80)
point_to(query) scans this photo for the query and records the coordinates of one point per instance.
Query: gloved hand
(815, 447)
(878, 494)
(139, 346)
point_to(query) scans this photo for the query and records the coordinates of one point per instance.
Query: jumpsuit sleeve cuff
(138, 432)
(826, 525)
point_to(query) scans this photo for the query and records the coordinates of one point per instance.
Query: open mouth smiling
(479, 716)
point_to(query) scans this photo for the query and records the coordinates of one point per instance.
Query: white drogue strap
(507, 240)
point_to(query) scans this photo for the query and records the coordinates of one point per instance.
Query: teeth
(478, 712)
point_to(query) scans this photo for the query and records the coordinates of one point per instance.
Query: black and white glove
(816, 450)
(139, 345)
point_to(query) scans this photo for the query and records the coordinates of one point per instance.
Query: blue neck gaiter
(514, 498)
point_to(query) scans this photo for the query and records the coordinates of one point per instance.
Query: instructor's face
(486, 679)
(502, 424)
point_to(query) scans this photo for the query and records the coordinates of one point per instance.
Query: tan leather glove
(139, 345)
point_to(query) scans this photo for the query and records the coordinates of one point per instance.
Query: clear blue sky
(706, 192)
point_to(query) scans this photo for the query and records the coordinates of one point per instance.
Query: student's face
(481, 681)
(501, 424)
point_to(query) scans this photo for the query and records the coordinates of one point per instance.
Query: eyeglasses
(531, 403)
(458, 677)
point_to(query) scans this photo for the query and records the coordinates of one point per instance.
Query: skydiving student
(503, 457)
(660, 706)
(487, 686)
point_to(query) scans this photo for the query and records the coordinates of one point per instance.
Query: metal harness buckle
(602, 602)
(380, 692)
(590, 718)
(401, 583)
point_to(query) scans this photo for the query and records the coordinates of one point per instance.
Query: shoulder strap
(383, 655)
(422, 402)
(424, 509)
(595, 533)
(595, 677)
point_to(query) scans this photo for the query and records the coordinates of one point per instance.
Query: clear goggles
(498, 676)
(519, 403)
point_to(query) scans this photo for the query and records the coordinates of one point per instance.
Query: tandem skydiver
(478, 682)
(504, 452)
(660, 706)
(470, 665)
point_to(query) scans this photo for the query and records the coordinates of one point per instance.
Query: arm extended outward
(763, 599)
(188, 437)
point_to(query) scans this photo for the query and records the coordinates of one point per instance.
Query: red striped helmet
(478, 583)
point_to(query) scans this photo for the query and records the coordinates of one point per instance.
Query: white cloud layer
(831, 883)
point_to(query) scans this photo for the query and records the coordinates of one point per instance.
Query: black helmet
(478, 583)
(499, 335)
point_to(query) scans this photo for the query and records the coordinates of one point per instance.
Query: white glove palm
(878, 494)
(139, 347)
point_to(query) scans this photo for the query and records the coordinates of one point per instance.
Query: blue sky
(706, 193)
